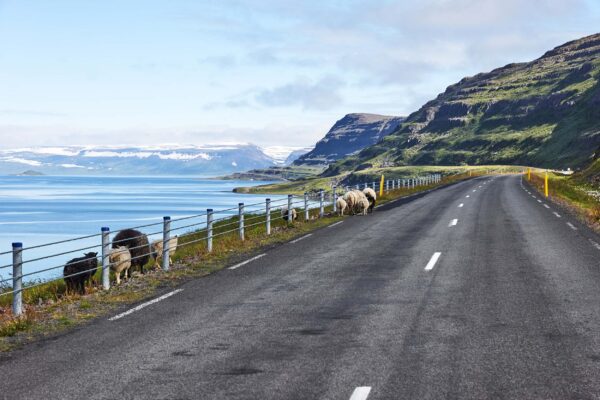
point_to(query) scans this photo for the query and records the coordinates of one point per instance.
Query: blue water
(37, 210)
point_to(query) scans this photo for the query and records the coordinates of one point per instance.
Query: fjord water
(42, 209)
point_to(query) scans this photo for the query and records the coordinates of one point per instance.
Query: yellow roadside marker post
(546, 184)
(529, 174)
(381, 187)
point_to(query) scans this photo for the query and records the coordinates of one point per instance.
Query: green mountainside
(542, 113)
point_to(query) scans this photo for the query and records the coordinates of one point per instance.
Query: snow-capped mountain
(285, 155)
(205, 160)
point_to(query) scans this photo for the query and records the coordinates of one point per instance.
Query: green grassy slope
(544, 113)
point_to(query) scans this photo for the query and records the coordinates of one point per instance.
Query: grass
(571, 193)
(48, 309)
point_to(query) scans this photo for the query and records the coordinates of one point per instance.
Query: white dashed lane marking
(146, 304)
(432, 261)
(361, 393)
(571, 226)
(247, 261)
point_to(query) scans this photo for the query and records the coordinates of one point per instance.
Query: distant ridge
(349, 135)
(544, 113)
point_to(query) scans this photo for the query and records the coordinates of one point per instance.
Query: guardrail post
(289, 215)
(105, 257)
(321, 205)
(334, 201)
(268, 215)
(209, 229)
(17, 303)
(306, 210)
(241, 220)
(166, 238)
(375, 186)
(387, 186)
(358, 186)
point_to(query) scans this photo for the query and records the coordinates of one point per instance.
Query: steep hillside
(544, 113)
(349, 135)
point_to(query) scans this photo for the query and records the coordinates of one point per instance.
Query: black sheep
(87, 263)
(138, 246)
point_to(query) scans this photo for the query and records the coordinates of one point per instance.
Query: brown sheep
(138, 246)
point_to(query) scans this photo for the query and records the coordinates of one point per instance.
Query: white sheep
(362, 204)
(371, 196)
(284, 213)
(120, 260)
(341, 205)
(351, 199)
(157, 250)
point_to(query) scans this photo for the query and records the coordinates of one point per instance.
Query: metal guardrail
(260, 212)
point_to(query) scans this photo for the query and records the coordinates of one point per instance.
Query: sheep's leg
(118, 275)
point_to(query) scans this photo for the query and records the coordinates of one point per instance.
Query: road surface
(478, 290)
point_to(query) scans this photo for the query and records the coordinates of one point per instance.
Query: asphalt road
(509, 308)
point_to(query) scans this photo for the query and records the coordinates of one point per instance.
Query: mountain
(285, 155)
(208, 160)
(349, 135)
(544, 113)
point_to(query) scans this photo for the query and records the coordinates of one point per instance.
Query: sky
(272, 72)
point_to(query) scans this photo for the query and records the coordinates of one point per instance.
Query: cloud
(323, 94)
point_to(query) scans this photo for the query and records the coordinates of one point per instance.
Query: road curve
(477, 290)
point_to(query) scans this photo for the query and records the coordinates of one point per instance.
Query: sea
(38, 210)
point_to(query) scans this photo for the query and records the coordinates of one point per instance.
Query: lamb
(84, 267)
(284, 213)
(157, 250)
(138, 246)
(371, 196)
(341, 205)
(362, 206)
(120, 260)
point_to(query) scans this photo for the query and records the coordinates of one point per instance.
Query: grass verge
(573, 194)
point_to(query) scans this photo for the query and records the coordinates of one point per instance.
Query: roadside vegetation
(575, 193)
(313, 185)
(49, 309)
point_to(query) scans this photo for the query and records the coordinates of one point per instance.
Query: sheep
(351, 199)
(284, 213)
(362, 206)
(84, 267)
(341, 205)
(120, 260)
(157, 250)
(362, 203)
(138, 246)
(371, 196)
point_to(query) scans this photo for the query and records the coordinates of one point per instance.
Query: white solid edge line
(557, 214)
(361, 393)
(146, 304)
(247, 261)
(432, 261)
(460, 205)
(337, 223)
(300, 238)
(571, 226)
(453, 222)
